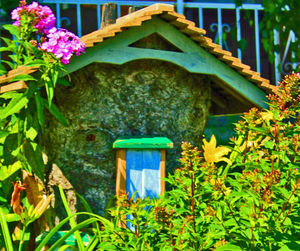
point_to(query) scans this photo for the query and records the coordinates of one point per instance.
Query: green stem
(284, 206)
(22, 237)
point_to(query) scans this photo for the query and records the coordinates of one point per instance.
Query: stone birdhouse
(152, 73)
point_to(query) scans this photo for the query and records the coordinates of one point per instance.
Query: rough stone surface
(144, 97)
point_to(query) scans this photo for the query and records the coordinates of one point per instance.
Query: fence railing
(218, 29)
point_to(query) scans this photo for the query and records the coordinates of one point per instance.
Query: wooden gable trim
(194, 58)
(168, 14)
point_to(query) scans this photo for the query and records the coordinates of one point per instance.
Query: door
(143, 172)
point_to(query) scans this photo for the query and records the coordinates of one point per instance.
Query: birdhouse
(141, 164)
(152, 72)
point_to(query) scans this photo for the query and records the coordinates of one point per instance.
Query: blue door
(143, 172)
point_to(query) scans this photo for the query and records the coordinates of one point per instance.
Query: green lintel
(143, 143)
(194, 58)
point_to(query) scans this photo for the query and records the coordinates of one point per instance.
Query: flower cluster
(63, 44)
(41, 17)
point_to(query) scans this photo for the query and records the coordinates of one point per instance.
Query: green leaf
(23, 77)
(64, 82)
(55, 112)
(10, 148)
(67, 247)
(3, 134)
(258, 129)
(39, 109)
(54, 77)
(5, 232)
(107, 224)
(12, 217)
(10, 64)
(2, 199)
(284, 248)
(33, 154)
(242, 44)
(37, 62)
(72, 220)
(4, 49)
(227, 247)
(9, 95)
(7, 171)
(13, 57)
(3, 70)
(15, 105)
(269, 144)
(73, 230)
(12, 29)
(50, 92)
(31, 133)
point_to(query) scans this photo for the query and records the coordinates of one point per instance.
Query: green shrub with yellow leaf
(242, 197)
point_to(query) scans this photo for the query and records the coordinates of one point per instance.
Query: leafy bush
(246, 201)
(22, 115)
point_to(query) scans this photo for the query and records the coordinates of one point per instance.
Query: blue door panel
(151, 175)
(143, 172)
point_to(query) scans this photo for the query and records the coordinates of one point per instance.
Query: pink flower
(41, 15)
(63, 44)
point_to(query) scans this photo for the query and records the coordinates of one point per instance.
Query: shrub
(246, 201)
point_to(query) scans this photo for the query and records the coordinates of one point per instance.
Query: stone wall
(140, 98)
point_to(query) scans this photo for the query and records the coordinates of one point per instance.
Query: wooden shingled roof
(168, 14)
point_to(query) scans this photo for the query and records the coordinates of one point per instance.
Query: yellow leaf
(42, 205)
(266, 116)
(214, 154)
(34, 188)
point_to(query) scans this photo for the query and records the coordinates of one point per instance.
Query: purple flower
(42, 16)
(63, 44)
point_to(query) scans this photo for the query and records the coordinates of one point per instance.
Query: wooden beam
(162, 171)
(194, 59)
(243, 90)
(121, 172)
(15, 86)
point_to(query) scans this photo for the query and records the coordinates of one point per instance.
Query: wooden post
(109, 14)
(121, 172)
(133, 9)
(162, 170)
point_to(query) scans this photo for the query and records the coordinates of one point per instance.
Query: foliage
(282, 16)
(246, 201)
(9, 5)
(22, 117)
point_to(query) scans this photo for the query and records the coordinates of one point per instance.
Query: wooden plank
(121, 172)
(15, 86)
(193, 31)
(18, 71)
(150, 10)
(182, 23)
(162, 168)
(171, 15)
(218, 51)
